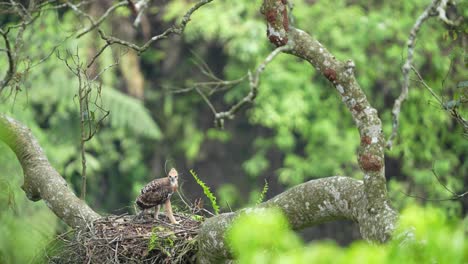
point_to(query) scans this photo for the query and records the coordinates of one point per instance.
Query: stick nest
(122, 239)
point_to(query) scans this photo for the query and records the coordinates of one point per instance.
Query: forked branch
(435, 8)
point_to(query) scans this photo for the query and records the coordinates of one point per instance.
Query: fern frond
(263, 193)
(130, 113)
(207, 192)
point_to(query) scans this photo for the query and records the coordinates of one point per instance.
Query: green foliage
(437, 237)
(261, 236)
(229, 196)
(207, 192)
(124, 110)
(427, 235)
(256, 165)
(263, 193)
(155, 242)
(25, 227)
(198, 218)
(216, 134)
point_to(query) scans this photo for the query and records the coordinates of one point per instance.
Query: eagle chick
(158, 192)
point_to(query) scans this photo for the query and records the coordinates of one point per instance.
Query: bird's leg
(140, 215)
(156, 211)
(168, 207)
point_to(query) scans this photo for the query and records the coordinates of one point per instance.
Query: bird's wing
(154, 193)
(154, 185)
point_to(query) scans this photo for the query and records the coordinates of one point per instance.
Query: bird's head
(173, 176)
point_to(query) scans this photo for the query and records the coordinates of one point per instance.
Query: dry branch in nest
(122, 239)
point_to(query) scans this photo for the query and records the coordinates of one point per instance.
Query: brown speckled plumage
(155, 193)
(159, 192)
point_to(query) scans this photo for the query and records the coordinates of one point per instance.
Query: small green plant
(153, 242)
(163, 244)
(263, 193)
(198, 218)
(207, 192)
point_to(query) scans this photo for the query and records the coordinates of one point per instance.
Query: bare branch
(48, 5)
(406, 69)
(455, 196)
(11, 61)
(452, 110)
(426, 86)
(11, 49)
(139, 8)
(207, 101)
(89, 124)
(442, 14)
(175, 29)
(253, 83)
(436, 8)
(101, 19)
(214, 86)
(93, 59)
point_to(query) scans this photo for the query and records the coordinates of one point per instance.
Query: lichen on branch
(41, 180)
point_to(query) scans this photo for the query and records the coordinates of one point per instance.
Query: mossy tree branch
(41, 180)
(327, 199)
(341, 76)
(308, 204)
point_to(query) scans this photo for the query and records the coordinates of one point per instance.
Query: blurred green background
(297, 130)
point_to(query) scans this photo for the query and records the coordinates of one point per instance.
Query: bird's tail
(139, 204)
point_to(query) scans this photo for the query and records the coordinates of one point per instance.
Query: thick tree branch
(41, 180)
(341, 75)
(305, 205)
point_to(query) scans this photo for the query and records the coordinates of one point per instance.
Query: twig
(455, 196)
(451, 110)
(207, 101)
(83, 100)
(11, 61)
(97, 55)
(440, 182)
(95, 24)
(215, 84)
(88, 125)
(175, 29)
(406, 69)
(442, 14)
(253, 82)
(421, 80)
(138, 8)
